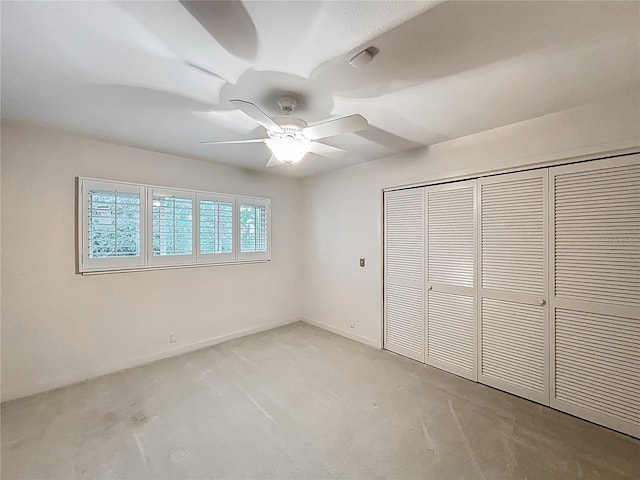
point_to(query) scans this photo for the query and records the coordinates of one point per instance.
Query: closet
(595, 232)
(528, 282)
(512, 298)
(450, 315)
(404, 273)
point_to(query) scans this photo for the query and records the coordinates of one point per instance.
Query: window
(113, 214)
(254, 227)
(215, 221)
(171, 227)
(114, 230)
(127, 226)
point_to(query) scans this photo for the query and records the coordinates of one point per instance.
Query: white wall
(53, 333)
(59, 327)
(343, 209)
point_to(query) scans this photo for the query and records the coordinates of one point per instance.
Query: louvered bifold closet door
(404, 272)
(595, 306)
(512, 310)
(450, 270)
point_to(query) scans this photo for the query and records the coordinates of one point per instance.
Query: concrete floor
(299, 402)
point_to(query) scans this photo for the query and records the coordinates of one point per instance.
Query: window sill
(105, 271)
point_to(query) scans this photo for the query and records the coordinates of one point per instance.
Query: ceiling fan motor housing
(290, 123)
(289, 130)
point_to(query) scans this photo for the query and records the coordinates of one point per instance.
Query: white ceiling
(158, 75)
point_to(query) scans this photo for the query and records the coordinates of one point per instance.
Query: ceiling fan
(289, 138)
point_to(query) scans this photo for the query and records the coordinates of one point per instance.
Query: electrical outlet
(353, 325)
(173, 338)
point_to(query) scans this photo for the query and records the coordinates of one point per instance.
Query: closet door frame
(580, 305)
(452, 289)
(532, 299)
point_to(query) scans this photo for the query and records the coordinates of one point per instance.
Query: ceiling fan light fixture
(288, 150)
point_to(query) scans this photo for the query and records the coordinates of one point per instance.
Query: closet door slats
(595, 305)
(528, 282)
(404, 273)
(512, 312)
(451, 278)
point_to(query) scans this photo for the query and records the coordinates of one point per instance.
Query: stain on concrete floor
(299, 402)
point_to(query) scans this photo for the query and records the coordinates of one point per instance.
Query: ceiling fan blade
(215, 142)
(229, 23)
(338, 126)
(273, 162)
(328, 151)
(258, 115)
(201, 69)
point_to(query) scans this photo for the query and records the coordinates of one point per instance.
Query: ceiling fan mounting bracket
(287, 104)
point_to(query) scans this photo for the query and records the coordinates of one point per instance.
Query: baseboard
(79, 377)
(343, 333)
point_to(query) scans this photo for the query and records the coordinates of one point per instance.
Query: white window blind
(172, 227)
(131, 226)
(114, 229)
(112, 218)
(254, 228)
(215, 217)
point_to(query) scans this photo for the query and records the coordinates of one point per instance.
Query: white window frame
(146, 260)
(209, 258)
(261, 202)
(163, 260)
(98, 264)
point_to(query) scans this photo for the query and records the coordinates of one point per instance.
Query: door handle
(430, 287)
(542, 302)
